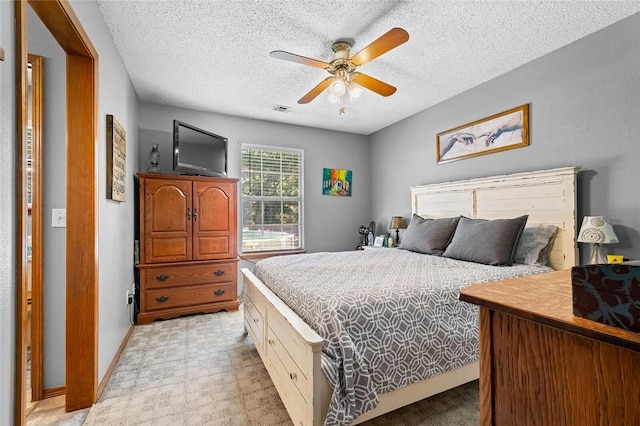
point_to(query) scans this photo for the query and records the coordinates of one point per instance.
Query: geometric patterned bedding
(388, 317)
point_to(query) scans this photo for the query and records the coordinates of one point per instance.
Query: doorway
(81, 382)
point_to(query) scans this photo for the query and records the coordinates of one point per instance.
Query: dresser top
(547, 299)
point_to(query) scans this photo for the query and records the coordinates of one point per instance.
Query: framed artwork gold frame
(499, 132)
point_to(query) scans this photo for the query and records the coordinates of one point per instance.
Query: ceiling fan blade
(315, 91)
(390, 40)
(281, 54)
(373, 84)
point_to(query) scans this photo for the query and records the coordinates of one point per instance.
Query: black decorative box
(609, 294)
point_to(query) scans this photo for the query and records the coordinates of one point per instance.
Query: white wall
(331, 223)
(7, 214)
(584, 111)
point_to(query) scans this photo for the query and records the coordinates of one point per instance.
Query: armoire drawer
(189, 295)
(182, 275)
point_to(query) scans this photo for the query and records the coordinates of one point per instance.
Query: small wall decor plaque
(499, 132)
(116, 160)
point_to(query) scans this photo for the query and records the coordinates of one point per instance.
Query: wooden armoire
(187, 245)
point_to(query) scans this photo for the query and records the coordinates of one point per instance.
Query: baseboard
(53, 392)
(114, 361)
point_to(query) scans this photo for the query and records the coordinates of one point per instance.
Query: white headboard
(547, 196)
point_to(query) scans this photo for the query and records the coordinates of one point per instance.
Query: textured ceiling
(214, 55)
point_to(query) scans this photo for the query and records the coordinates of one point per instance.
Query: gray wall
(7, 214)
(40, 42)
(584, 110)
(331, 223)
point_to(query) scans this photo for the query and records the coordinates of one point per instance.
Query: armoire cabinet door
(214, 223)
(168, 218)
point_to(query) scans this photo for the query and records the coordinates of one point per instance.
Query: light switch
(58, 218)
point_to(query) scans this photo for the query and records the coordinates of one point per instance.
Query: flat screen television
(197, 151)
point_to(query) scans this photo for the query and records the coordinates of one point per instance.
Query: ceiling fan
(343, 68)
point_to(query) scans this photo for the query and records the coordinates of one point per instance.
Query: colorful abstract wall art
(336, 182)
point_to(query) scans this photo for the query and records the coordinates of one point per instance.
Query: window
(271, 198)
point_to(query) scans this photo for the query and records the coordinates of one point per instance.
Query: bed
(290, 343)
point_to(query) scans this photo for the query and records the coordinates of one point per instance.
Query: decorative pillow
(428, 236)
(535, 244)
(492, 242)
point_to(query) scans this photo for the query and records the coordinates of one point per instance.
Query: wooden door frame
(37, 229)
(81, 354)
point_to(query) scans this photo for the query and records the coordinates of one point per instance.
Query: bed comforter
(388, 317)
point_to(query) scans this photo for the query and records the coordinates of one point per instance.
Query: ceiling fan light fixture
(354, 91)
(338, 86)
(333, 98)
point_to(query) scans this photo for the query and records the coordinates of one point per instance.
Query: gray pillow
(492, 242)
(535, 244)
(428, 236)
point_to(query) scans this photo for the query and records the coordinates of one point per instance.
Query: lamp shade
(597, 229)
(397, 222)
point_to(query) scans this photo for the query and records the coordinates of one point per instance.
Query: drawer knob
(162, 299)
(293, 376)
(219, 273)
(271, 342)
(255, 320)
(219, 292)
(162, 277)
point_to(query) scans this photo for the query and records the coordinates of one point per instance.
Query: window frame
(243, 198)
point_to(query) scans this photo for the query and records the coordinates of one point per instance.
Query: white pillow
(534, 244)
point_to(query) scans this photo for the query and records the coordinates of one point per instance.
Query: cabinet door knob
(162, 277)
(188, 213)
(219, 292)
(293, 376)
(219, 273)
(195, 214)
(162, 299)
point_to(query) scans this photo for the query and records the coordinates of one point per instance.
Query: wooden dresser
(188, 245)
(541, 365)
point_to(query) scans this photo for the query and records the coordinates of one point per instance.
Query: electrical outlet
(129, 298)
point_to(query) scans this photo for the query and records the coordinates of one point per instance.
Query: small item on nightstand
(370, 238)
(609, 294)
(614, 258)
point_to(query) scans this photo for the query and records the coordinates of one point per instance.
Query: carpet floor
(202, 370)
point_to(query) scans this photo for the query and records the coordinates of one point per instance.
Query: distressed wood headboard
(547, 196)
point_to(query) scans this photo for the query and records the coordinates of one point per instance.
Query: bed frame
(291, 350)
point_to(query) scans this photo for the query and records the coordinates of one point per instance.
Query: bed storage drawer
(290, 339)
(255, 323)
(282, 343)
(182, 275)
(189, 296)
(293, 384)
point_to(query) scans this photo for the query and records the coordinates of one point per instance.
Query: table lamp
(596, 230)
(397, 222)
